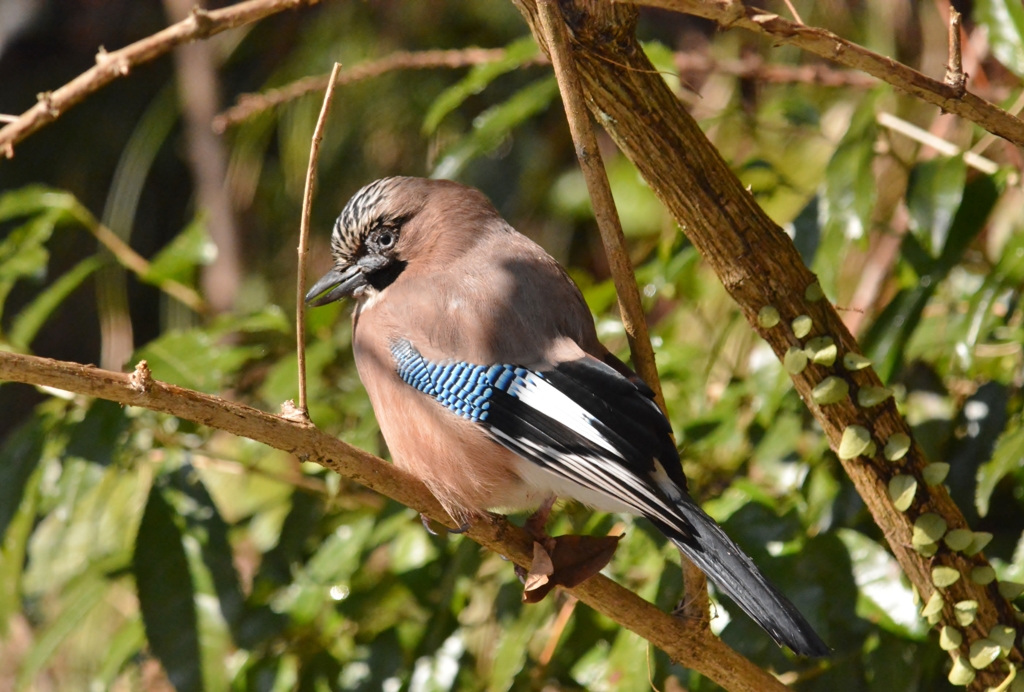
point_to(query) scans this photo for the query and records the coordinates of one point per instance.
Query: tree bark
(761, 269)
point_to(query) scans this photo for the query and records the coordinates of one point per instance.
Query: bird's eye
(386, 239)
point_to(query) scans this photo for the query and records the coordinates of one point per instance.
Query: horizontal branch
(119, 63)
(752, 67)
(705, 653)
(733, 13)
(249, 105)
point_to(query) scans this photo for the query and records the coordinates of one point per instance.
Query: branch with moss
(112, 65)
(763, 272)
(950, 98)
(707, 655)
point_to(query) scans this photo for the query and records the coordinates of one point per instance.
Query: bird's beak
(340, 282)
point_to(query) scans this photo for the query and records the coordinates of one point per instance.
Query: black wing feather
(626, 417)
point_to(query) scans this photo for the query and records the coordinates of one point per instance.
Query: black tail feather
(736, 575)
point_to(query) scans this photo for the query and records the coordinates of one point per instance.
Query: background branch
(750, 67)
(709, 655)
(250, 105)
(119, 63)
(730, 13)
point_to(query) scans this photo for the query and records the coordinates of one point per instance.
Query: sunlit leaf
(492, 126)
(194, 359)
(180, 258)
(28, 322)
(1004, 20)
(516, 53)
(77, 603)
(1006, 459)
(849, 181)
(128, 641)
(32, 200)
(934, 192)
(883, 597)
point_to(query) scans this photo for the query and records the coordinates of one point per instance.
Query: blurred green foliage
(136, 546)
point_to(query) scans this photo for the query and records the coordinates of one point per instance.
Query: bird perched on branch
(484, 369)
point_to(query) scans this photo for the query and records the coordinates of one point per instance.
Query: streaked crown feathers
(367, 209)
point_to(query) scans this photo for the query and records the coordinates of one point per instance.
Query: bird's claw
(425, 520)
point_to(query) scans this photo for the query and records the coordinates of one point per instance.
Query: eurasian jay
(483, 366)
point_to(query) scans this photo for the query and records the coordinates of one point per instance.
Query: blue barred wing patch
(462, 388)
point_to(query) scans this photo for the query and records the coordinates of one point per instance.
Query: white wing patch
(540, 395)
(596, 480)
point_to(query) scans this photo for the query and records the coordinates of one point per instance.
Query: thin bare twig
(136, 263)
(732, 13)
(307, 205)
(754, 67)
(633, 317)
(110, 66)
(955, 76)
(250, 105)
(943, 146)
(792, 10)
(711, 658)
(198, 90)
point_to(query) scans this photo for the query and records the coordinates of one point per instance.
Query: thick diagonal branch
(633, 318)
(763, 272)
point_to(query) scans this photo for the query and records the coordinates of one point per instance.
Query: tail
(736, 575)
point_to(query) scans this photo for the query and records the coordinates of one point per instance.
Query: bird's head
(392, 222)
(366, 241)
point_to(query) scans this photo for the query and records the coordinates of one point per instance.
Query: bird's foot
(425, 520)
(536, 523)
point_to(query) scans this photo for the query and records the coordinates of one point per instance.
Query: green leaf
(849, 181)
(934, 192)
(31, 319)
(179, 259)
(195, 359)
(1006, 459)
(23, 253)
(19, 457)
(166, 595)
(516, 53)
(12, 551)
(888, 335)
(127, 642)
(33, 200)
(98, 436)
(205, 524)
(492, 126)
(77, 603)
(1004, 20)
(980, 196)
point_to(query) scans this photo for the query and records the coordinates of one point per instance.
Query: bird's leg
(536, 523)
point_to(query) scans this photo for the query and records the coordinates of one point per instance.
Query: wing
(580, 420)
(583, 421)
